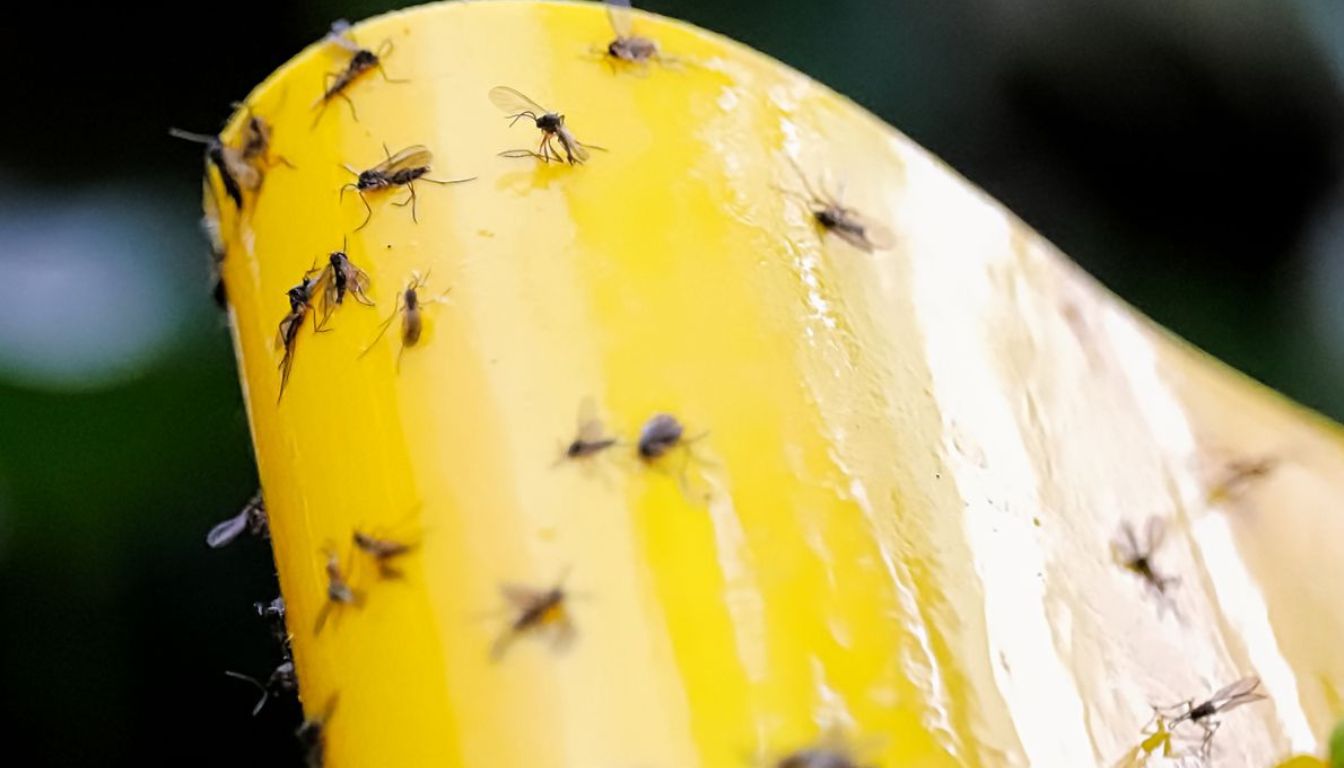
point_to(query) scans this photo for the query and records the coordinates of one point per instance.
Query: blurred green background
(1188, 154)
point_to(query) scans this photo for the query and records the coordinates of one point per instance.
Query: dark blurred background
(1188, 154)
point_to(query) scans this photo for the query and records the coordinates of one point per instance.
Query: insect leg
(347, 100)
(383, 328)
(383, 72)
(367, 208)
(410, 186)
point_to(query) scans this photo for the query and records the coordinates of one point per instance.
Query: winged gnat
(384, 552)
(1227, 698)
(403, 169)
(660, 434)
(287, 336)
(536, 612)
(362, 61)
(235, 172)
(339, 278)
(410, 307)
(627, 46)
(251, 519)
(1137, 556)
(282, 680)
(840, 220)
(590, 436)
(339, 591)
(516, 106)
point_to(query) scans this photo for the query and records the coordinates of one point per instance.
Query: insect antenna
(265, 694)
(199, 138)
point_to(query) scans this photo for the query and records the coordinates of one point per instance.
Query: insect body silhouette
(591, 438)
(243, 167)
(339, 591)
(516, 106)
(282, 680)
(312, 735)
(1137, 557)
(410, 305)
(1239, 473)
(300, 303)
(251, 519)
(840, 220)
(660, 434)
(537, 611)
(1224, 700)
(256, 145)
(627, 46)
(383, 552)
(235, 172)
(362, 61)
(400, 170)
(339, 278)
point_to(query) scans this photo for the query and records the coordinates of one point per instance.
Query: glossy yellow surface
(894, 532)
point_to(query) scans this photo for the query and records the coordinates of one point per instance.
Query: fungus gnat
(338, 278)
(235, 172)
(1224, 700)
(516, 106)
(536, 612)
(312, 735)
(300, 303)
(1137, 557)
(339, 591)
(273, 613)
(383, 552)
(627, 46)
(410, 305)
(844, 222)
(362, 61)
(251, 519)
(243, 167)
(256, 145)
(400, 170)
(660, 434)
(1239, 473)
(590, 438)
(282, 680)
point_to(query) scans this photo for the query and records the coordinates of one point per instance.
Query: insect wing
(357, 284)
(339, 34)
(865, 234)
(1153, 533)
(210, 222)
(224, 533)
(416, 156)
(577, 152)
(590, 428)
(287, 329)
(618, 12)
(1236, 694)
(1127, 546)
(513, 102)
(520, 597)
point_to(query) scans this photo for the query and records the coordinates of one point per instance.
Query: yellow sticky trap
(909, 451)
